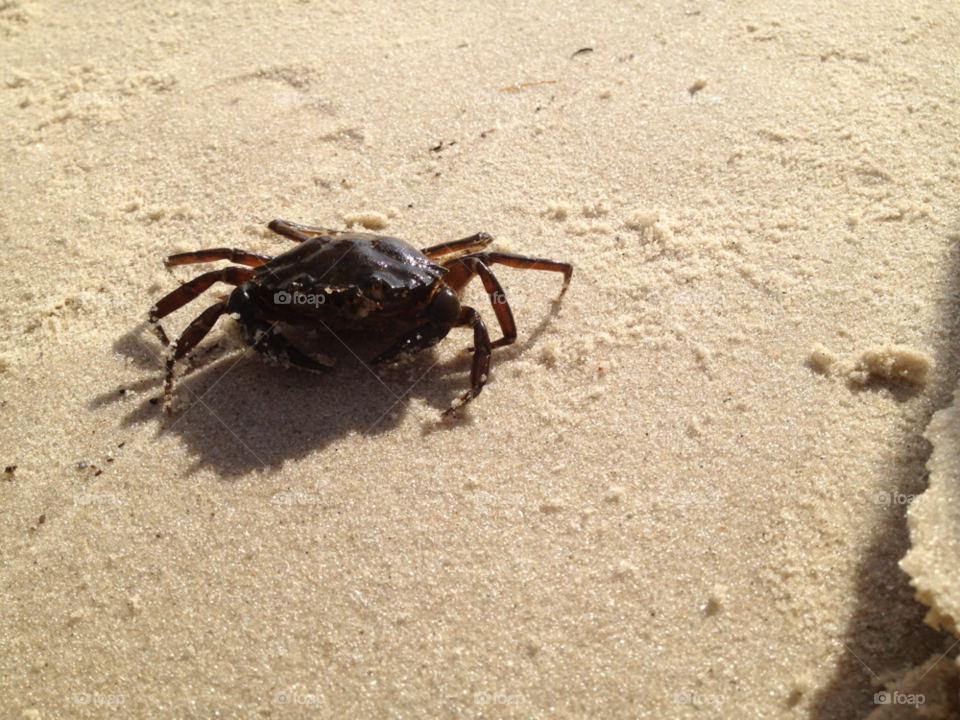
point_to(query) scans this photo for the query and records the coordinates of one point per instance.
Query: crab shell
(355, 281)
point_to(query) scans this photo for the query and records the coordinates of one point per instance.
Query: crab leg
(233, 255)
(459, 277)
(498, 298)
(420, 338)
(263, 336)
(266, 340)
(481, 356)
(468, 244)
(188, 340)
(297, 232)
(191, 290)
(463, 269)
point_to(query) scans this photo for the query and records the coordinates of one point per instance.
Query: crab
(338, 280)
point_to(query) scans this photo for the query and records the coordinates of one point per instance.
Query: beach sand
(684, 489)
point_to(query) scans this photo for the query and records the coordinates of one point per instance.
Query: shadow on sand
(237, 413)
(886, 633)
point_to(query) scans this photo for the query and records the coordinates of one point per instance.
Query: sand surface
(683, 492)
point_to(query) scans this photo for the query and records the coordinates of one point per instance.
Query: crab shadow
(237, 413)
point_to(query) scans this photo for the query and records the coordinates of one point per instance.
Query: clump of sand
(823, 360)
(893, 362)
(369, 220)
(890, 362)
(933, 563)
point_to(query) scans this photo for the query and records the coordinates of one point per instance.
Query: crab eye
(374, 287)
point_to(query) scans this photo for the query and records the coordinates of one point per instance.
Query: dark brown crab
(351, 281)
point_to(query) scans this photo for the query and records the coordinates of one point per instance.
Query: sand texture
(683, 492)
